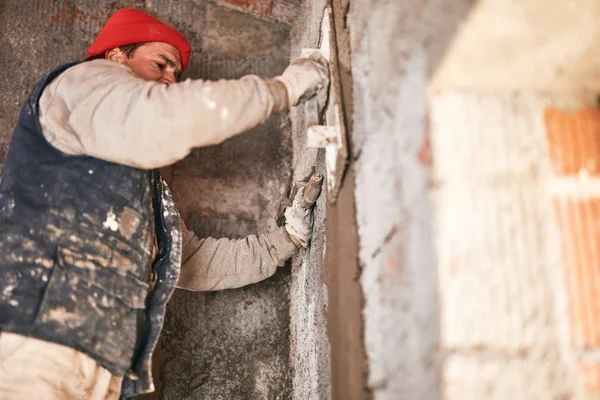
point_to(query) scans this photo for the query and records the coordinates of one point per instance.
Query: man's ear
(116, 55)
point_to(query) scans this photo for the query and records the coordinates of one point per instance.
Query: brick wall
(574, 150)
(518, 214)
(501, 271)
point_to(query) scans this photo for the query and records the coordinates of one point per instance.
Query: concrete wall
(230, 344)
(396, 45)
(328, 283)
(233, 343)
(309, 352)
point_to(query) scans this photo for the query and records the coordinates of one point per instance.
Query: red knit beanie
(131, 26)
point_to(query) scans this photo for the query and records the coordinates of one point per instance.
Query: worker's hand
(299, 220)
(299, 215)
(305, 78)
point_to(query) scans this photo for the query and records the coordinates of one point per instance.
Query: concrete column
(396, 45)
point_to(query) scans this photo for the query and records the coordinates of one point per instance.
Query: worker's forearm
(216, 264)
(99, 109)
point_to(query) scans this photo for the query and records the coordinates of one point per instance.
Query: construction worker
(91, 244)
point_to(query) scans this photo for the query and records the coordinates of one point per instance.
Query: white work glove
(305, 78)
(299, 219)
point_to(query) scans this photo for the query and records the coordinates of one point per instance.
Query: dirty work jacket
(76, 238)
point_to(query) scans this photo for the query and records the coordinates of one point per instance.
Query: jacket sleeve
(101, 109)
(216, 264)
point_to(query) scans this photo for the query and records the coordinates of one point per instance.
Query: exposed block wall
(573, 138)
(501, 275)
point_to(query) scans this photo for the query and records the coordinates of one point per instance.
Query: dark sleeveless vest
(76, 241)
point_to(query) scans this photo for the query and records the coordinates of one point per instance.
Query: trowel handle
(312, 190)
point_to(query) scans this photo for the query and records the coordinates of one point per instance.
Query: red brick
(590, 376)
(574, 140)
(424, 154)
(579, 220)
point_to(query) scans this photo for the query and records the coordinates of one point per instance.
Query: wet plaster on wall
(326, 342)
(231, 344)
(309, 351)
(342, 268)
(395, 48)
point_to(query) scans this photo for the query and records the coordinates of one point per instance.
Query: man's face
(155, 61)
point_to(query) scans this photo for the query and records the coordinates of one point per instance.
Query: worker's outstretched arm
(101, 109)
(215, 264)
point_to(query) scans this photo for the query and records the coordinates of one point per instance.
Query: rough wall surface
(232, 344)
(235, 343)
(396, 45)
(328, 358)
(309, 352)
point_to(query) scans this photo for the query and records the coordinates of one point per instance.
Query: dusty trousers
(35, 369)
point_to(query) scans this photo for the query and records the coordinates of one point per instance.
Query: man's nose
(168, 78)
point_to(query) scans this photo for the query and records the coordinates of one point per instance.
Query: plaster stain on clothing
(63, 316)
(111, 222)
(224, 113)
(7, 290)
(43, 262)
(209, 103)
